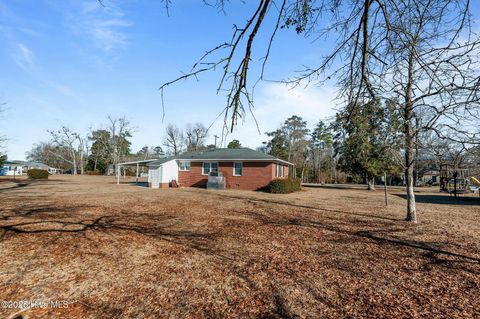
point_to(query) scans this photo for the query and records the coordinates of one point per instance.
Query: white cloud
(24, 57)
(275, 103)
(104, 25)
(61, 88)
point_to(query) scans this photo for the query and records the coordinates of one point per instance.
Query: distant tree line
(361, 146)
(93, 152)
(420, 57)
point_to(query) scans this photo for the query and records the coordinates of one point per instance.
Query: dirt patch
(125, 251)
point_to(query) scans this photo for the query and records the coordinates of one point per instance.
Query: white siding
(169, 171)
(10, 170)
(154, 176)
(163, 174)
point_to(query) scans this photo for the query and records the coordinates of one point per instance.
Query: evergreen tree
(321, 151)
(363, 141)
(234, 144)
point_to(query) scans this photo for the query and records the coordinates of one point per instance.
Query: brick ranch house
(243, 168)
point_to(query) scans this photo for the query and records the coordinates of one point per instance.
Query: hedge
(284, 186)
(37, 173)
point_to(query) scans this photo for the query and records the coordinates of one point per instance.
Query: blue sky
(74, 62)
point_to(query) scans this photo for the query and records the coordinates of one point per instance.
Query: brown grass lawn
(123, 251)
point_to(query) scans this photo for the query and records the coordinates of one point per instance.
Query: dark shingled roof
(221, 154)
(161, 161)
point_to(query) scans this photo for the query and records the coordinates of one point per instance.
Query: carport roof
(161, 161)
(140, 163)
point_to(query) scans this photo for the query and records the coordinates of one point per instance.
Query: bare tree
(434, 80)
(83, 150)
(50, 154)
(195, 136)
(174, 139)
(65, 139)
(422, 53)
(119, 129)
(444, 150)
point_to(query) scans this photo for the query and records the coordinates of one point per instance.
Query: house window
(237, 169)
(184, 165)
(279, 170)
(208, 167)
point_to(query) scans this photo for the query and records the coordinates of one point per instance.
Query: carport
(136, 164)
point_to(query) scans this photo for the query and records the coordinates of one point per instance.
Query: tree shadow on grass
(71, 221)
(338, 225)
(321, 209)
(17, 185)
(444, 199)
(169, 228)
(351, 232)
(28, 182)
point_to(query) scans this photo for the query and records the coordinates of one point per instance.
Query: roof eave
(234, 159)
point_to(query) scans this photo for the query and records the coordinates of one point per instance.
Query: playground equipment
(476, 185)
(459, 185)
(475, 180)
(448, 174)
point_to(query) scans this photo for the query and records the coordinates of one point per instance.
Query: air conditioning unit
(216, 180)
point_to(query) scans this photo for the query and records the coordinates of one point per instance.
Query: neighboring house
(429, 175)
(11, 168)
(35, 165)
(22, 167)
(243, 168)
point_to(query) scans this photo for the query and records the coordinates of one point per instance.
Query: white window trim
(184, 170)
(276, 171)
(203, 172)
(234, 168)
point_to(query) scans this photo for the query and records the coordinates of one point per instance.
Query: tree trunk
(74, 164)
(371, 183)
(411, 210)
(81, 162)
(409, 142)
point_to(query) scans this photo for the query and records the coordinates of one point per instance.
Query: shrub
(284, 186)
(37, 173)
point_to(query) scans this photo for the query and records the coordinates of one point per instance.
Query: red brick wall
(255, 175)
(194, 177)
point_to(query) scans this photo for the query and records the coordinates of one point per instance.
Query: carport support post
(137, 173)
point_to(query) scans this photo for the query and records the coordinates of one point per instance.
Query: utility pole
(216, 137)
